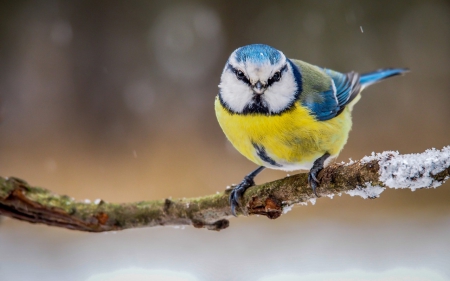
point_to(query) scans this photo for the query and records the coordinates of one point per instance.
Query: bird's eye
(277, 76)
(240, 75)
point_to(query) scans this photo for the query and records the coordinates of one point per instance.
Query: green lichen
(5, 188)
(38, 205)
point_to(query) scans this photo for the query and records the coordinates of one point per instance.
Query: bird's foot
(238, 191)
(312, 179)
(314, 172)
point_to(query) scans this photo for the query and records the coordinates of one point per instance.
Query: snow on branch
(366, 178)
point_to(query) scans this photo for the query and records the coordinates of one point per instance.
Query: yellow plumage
(294, 139)
(287, 114)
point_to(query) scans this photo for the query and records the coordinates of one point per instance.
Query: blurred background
(114, 100)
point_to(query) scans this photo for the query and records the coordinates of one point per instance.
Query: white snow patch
(330, 196)
(311, 200)
(369, 191)
(87, 201)
(287, 208)
(350, 162)
(411, 170)
(97, 201)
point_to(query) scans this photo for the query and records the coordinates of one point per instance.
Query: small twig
(367, 178)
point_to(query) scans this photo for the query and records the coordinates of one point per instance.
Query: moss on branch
(21, 201)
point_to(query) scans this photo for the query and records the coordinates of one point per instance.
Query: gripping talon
(239, 190)
(315, 170)
(313, 186)
(312, 180)
(312, 176)
(233, 206)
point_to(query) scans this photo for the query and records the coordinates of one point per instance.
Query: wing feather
(345, 87)
(326, 92)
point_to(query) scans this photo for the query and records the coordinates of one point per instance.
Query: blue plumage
(343, 84)
(342, 91)
(324, 110)
(380, 74)
(346, 88)
(258, 53)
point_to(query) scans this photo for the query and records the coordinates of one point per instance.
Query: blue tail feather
(367, 79)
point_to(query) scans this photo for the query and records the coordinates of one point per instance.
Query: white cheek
(235, 93)
(281, 94)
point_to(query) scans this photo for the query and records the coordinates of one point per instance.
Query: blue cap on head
(258, 53)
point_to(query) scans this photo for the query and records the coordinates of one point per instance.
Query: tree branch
(367, 178)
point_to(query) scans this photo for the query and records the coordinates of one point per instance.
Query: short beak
(259, 88)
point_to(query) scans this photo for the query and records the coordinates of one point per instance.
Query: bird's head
(259, 79)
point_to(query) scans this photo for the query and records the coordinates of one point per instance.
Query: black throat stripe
(261, 152)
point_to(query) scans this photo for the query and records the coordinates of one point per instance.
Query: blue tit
(286, 114)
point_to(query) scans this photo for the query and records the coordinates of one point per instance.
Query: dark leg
(239, 190)
(316, 168)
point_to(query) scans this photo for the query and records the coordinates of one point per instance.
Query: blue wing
(344, 88)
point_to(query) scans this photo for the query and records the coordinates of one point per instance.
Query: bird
(287, 114)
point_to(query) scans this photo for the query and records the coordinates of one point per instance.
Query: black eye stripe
(240, 77)
(247, 81)
(274, 77)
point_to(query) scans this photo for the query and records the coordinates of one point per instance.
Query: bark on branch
(367, 177)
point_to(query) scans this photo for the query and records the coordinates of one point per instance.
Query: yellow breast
(293, 140)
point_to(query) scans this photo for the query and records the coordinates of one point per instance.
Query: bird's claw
(314, 172)
(237, 192)
(313, 181)
(312, 177)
